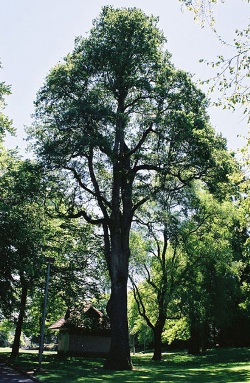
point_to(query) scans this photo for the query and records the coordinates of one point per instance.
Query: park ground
(218, 366)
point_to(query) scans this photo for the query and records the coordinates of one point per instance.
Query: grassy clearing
(217, 366)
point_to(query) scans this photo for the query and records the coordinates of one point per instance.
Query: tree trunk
(119, 355)
(18, 331)
(198, 339)
(119, 227)
(157, 344)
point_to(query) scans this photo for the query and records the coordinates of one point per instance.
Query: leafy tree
(203, 9)
(116, 119)
(186, 264)
(161, 264)
(232, 77)
(29, 235)
(243, 180)
(75, 277)
(79, 274)
(5, 160)
(210, 295)
(25, 226)
(5, 122)
(241, 322)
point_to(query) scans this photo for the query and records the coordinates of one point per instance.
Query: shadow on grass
(218, 366)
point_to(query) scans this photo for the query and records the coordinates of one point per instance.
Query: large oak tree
(116, 119)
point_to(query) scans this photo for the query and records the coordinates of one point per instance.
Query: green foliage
(111, 79)
(177, 329)
(115, 124)
(203, 9)
(79, 272)
(6, 332)
(185, 269)
(20, 227)
(232, 77)
(243, 180)
(28, 236)
(5, 122)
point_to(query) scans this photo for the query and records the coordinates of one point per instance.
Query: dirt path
(9, 375)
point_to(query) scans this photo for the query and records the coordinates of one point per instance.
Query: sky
(36, 34)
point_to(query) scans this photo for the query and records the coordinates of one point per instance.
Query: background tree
(5, 160)
(79, 276)
(26, 227)
(75, 278)
(161, 264)
(232, 77)
(113, 117)
(187, 266)
(241, 244)
(5, 122)
(29, 235)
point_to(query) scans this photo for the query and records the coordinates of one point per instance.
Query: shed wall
(83, 344)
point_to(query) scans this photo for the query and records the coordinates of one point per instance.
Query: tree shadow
(217, 366)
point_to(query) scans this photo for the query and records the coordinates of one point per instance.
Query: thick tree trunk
(157, 344)
(18, 331)
(119, 355)
(118, 260)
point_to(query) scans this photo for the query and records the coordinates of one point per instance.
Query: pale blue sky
(36, 34)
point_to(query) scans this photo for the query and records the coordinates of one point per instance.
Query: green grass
(217, 366)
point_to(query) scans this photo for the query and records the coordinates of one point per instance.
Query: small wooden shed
(87, 334)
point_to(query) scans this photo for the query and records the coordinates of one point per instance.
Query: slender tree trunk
(18, 331)
(198, 338)
(160, 323)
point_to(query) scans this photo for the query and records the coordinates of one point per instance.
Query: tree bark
(157, 344)
(119, 355)
(119, 228)
(18, 331)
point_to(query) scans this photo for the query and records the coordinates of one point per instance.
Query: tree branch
(101, 200)
(140, 304)
(141, 141)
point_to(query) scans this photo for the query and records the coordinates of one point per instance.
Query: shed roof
(89, 311)
(58, 324)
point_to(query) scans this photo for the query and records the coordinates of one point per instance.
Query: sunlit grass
(217, 366)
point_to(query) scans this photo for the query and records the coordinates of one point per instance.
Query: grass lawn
(217, 366)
